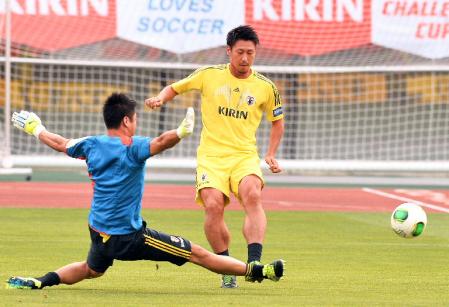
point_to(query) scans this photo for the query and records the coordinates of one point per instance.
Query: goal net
(360, 106)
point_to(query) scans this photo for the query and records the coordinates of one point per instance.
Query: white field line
(406, 199)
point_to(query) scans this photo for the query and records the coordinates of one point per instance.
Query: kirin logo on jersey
(250, 100)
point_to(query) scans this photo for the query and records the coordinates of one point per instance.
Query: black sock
(49, 279)
(254, 270)
(224, 253)
(254, 252)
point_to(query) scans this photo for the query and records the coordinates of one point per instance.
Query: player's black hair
(116, 107)
(246, 33)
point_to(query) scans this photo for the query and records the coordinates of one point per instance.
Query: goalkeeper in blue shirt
(116, 165)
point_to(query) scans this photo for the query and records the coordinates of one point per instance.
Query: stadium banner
(60, 24)
(293, 26)
(178, 26)
(419, 27)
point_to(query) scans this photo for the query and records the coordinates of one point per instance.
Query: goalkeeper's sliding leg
(78, 271)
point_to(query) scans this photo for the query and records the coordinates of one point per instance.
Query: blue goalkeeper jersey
(117, 174)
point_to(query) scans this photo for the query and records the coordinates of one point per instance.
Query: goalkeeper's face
(241, 57)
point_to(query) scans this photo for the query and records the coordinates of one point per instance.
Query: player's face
(241, 58)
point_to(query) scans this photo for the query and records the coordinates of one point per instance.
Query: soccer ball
(408, 220)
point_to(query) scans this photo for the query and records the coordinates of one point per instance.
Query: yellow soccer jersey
(231, 108)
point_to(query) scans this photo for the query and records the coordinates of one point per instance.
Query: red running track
(165, 196)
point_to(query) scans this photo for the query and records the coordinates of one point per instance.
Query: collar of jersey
(228, 69)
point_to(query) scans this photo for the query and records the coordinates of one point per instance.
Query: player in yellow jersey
(234, 98)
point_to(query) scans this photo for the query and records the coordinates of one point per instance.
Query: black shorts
(145, 244)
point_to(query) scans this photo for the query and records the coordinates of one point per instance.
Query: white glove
(187, 124)
(28, 122)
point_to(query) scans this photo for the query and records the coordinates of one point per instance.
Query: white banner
(178, 26)
(419, 27)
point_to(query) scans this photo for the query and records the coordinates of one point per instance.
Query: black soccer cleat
(274, 271)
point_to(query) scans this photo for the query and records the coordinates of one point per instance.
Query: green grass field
(347, 259)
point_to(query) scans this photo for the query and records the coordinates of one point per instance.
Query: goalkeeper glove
(28, 122)
(186, 127)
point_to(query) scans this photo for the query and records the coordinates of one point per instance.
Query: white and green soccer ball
(408, 220)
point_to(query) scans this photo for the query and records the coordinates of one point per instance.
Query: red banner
(292, 27)
(310, 27)
(53, 25)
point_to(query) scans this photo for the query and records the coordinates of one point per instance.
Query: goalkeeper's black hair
(246, 33)
(116, 107)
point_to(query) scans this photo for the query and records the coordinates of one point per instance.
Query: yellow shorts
(224, 173)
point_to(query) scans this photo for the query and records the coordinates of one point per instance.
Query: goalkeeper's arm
(170, 138)
(31, 124)
(53, 140)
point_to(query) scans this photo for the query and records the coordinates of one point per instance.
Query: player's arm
(170, 138)
(167, 94)
(193, 82)
(277, 131)
(53, 140)
(31, 124)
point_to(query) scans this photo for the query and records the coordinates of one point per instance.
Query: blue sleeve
(78, 148)
(141, 148)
